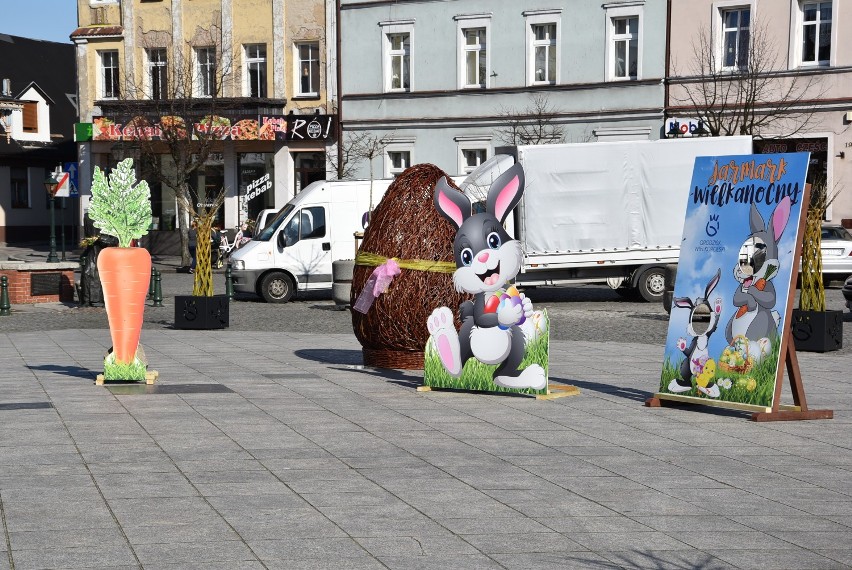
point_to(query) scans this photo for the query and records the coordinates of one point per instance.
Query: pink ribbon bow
(376, 284)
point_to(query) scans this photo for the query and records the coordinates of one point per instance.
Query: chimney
(7, 88)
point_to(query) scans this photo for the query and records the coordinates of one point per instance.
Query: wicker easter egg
(406, 226)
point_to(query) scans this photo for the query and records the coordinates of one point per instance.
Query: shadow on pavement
(73, 371)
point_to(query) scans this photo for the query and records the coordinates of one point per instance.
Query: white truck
(603, 211)
(296, 247)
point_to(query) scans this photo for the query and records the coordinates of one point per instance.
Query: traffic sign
(63, 190)
(73, 175)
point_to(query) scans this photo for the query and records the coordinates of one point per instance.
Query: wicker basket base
(387, 358)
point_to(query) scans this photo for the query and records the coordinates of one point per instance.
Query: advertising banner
(735, 271)
(171, 127)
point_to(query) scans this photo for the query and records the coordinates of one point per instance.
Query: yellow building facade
(254, 72)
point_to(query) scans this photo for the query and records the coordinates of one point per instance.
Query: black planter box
(201, 313)
(817, 331)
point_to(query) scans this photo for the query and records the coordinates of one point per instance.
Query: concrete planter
(341, 275)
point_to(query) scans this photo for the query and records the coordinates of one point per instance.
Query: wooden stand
(778, 412)
(150, 378)
(553, 391)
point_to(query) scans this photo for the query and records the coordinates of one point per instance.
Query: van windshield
(272, 227)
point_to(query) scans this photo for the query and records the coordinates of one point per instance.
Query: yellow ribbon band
(373, 260)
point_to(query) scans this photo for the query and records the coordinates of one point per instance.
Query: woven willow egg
(405, 225)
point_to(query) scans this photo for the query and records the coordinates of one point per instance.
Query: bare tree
(748, 92)
(169, 119)
(356, 147)
(534, 124)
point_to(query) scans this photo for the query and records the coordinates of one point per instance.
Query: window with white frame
(157, 73)
(625, 47)
(471, 158)
(396, 161)
(109, 74)
(396, 61)
(543, 46)
(308, 69)
(816, 33)
(474, 57)
(205, 68)
(255, 70)
(736, 37)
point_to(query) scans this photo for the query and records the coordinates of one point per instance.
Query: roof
(97, 31)
(51, 68)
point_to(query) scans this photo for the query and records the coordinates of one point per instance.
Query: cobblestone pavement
(280, 451)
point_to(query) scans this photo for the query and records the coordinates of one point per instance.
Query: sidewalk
(259, 450)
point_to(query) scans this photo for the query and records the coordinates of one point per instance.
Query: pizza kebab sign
(238, 128)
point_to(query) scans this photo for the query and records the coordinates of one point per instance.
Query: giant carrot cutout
(122, 208)
(125, 277)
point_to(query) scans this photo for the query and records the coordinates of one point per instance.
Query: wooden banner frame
(778, 412)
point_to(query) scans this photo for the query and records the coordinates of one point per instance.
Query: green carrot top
(119, 208)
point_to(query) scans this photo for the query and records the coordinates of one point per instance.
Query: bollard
(4, 296)
(229, 283)
(151, 284)
(158, 290)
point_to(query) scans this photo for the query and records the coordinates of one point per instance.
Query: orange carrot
(125, 277)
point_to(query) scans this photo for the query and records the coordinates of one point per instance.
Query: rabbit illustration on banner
(487, 259)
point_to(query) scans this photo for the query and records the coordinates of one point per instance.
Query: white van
(296, 248)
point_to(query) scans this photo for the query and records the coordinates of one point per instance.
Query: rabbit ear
(780, 217)
(505, 192)
(683, 302)
(712, 283)
(451, 203)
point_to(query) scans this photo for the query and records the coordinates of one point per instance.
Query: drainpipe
(339, 73)
(666, 101)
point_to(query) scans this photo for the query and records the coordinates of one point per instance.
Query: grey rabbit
(696, 352)
(758, 264)
(486, 258)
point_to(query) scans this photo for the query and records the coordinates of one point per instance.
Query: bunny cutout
(755, 317)
(698, 365)
(486, 258)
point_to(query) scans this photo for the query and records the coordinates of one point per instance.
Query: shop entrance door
(309, 167)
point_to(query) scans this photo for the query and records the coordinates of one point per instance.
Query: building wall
(181, 24)
(437, 113)
(826, 102)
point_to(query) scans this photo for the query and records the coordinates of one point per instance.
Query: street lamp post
(51, 184)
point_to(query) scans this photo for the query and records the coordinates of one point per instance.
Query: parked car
(847, 292)
(836, 252)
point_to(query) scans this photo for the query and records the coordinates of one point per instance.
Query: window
(308, 69)
(476, 70)
(625, 49)
(399, 54)
(157, 73)
(255, 73)
(543, 46)
(397, 161)
(20, 187)
(736, 35)
(816, 33)
(205, 59)
(473, 157)
(109, 74)
(474, 62)
(30, 118)
(396, 62)
(309, 223)
(544, 53)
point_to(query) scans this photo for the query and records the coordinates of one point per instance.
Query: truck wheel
(277, 287)
(652, 284)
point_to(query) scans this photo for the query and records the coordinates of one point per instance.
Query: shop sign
(309, 127)
(258, 187)
(170, 127)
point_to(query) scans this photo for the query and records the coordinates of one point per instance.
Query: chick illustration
(704, 380)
